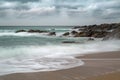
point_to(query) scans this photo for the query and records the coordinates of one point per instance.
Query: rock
(52, 34)
(20, 31)
(80, 34)
(115, 34)
(32, 31)
(36, 31)
(74, 32)
(99, 34)
(66, 34)
(69, 42)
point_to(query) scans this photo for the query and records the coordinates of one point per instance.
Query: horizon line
(62, 25)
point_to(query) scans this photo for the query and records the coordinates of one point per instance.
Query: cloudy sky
(58, 12)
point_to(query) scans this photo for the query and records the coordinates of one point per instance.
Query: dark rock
(36, 31)
(32, 31)
(74, 32)
(96, 31)
(52, 34)
(96, 34)
(69, 42)
(20, 31)
(66, 34)
(76, 27)
(99, 34)
(80, 34)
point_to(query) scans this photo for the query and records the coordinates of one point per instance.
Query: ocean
(34, 52)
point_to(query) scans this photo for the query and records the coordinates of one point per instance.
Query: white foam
(22, 34)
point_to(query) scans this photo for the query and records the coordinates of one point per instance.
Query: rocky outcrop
(36, 31)
(32, 31)
(96, 31)
(115, 34)
(101, 27)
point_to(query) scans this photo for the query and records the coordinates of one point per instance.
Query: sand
(110, 76)
(99, 66)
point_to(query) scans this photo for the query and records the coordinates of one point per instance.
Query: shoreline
(99, 64)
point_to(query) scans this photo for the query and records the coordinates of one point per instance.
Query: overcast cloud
(58, 12)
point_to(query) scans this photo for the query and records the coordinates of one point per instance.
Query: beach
(59, 40)
(98, 66)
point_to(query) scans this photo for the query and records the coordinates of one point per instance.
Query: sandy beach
(99, 66)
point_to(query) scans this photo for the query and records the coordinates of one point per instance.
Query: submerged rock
(69, 42)
(20, 31)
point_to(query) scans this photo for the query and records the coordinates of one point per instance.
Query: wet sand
(99, 66)
(110, 76)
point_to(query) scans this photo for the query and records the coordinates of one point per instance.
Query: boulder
(74, 32)
(80, 34)
(66, 34)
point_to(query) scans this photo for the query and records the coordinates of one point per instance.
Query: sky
(59, 12)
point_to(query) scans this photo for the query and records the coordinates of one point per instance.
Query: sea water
(33, 52)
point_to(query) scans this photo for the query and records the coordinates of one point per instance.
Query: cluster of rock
(105, 31)
(36, 31)
(96, 31)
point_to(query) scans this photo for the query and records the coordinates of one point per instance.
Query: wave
(50, 57)
(22, 34)
(36, 58)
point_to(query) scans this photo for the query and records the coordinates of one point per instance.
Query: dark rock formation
(20, 31)
(32, 31)
(36, 31)
(96, 31)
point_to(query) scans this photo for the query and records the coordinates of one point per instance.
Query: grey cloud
(103, 9)
(106, 10)
(3, 14)
(24, 1)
